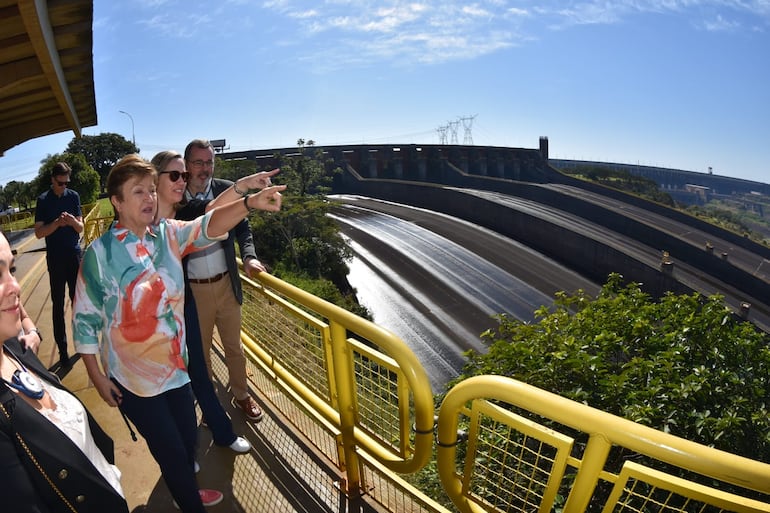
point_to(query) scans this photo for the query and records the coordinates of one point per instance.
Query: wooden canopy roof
(46, 69)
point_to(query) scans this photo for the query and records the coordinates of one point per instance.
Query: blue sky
(672, 83)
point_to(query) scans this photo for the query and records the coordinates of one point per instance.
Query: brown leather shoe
(250, 409)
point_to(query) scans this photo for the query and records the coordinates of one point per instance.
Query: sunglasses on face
(62, 184)
(175, 175)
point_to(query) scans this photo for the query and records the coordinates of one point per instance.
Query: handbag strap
(10, 430)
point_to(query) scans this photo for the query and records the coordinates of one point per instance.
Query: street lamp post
(133, 139)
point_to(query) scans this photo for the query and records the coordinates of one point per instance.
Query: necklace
(24, 381)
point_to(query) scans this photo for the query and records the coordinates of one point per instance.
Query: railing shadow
(278, 474)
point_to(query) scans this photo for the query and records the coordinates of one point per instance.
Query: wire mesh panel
(513, 464)
(290, 336)
(380, 404)
(95, 227)
(640, 489)
(394, 494)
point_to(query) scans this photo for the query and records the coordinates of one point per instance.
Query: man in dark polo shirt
(59, 219)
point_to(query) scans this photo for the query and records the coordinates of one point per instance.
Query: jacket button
(63, 473)
(80, 498)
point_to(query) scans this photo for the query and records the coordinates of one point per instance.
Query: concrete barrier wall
(697, 257)
(744, 242)
(680, 250)
(518, 171)
(575, 251)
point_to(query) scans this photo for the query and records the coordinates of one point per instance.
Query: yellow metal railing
(363, 400)
(352, 375)
(511, 462)
(89, 209)
(94, 226)
(90, 231)
(16, 221)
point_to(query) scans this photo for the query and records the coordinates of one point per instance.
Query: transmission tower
(453, 129)
(442, 134)
(467, 126)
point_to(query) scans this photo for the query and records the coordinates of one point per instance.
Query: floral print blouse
(129, 303)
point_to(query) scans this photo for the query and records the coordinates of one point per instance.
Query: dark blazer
(23, 488)
(241, 233)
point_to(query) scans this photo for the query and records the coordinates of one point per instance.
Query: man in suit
(214, 277)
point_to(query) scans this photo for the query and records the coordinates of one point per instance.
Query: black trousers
(168, 424)
(62, 274)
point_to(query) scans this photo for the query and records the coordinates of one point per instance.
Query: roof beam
(35, 16)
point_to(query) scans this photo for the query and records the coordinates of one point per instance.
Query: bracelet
(40, 335)
(242, 193)
(246, 203)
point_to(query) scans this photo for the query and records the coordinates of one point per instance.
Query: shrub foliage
(683, 364)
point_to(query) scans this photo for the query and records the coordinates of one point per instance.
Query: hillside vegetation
(747, 216)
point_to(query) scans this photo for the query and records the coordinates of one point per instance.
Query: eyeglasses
(62, 184)
(175, 175)
(200, 163)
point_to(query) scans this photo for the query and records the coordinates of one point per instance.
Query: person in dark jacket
(54, 457)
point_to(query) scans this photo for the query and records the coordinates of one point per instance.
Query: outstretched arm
(242, 187)
(227, 216)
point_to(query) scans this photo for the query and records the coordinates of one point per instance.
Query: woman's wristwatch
(39, 335)
(246, 202)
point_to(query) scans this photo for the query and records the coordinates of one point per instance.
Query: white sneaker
(240, 445)
(197, 467)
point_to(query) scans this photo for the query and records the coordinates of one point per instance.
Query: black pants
(219, 423)
(62, 273)
(168, 424)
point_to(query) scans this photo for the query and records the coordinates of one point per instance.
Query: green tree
(84, 179)
(26, 196)
(683, 364)
(624, 181)
(12, 193)
(234, 169)
(301, 243)
(19, 194)
(302, 239)
(102, 151)
(307, 172)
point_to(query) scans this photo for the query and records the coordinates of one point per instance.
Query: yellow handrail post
(345, 391)
(594, 456)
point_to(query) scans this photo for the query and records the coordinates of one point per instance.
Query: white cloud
(515, 11)
(279, 5)
(720, 24)
(437, 31)
(475, 10)
(302, 15)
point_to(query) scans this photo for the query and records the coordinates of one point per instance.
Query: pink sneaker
(210, 497)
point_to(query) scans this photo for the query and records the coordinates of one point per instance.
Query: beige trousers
(218, 307)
